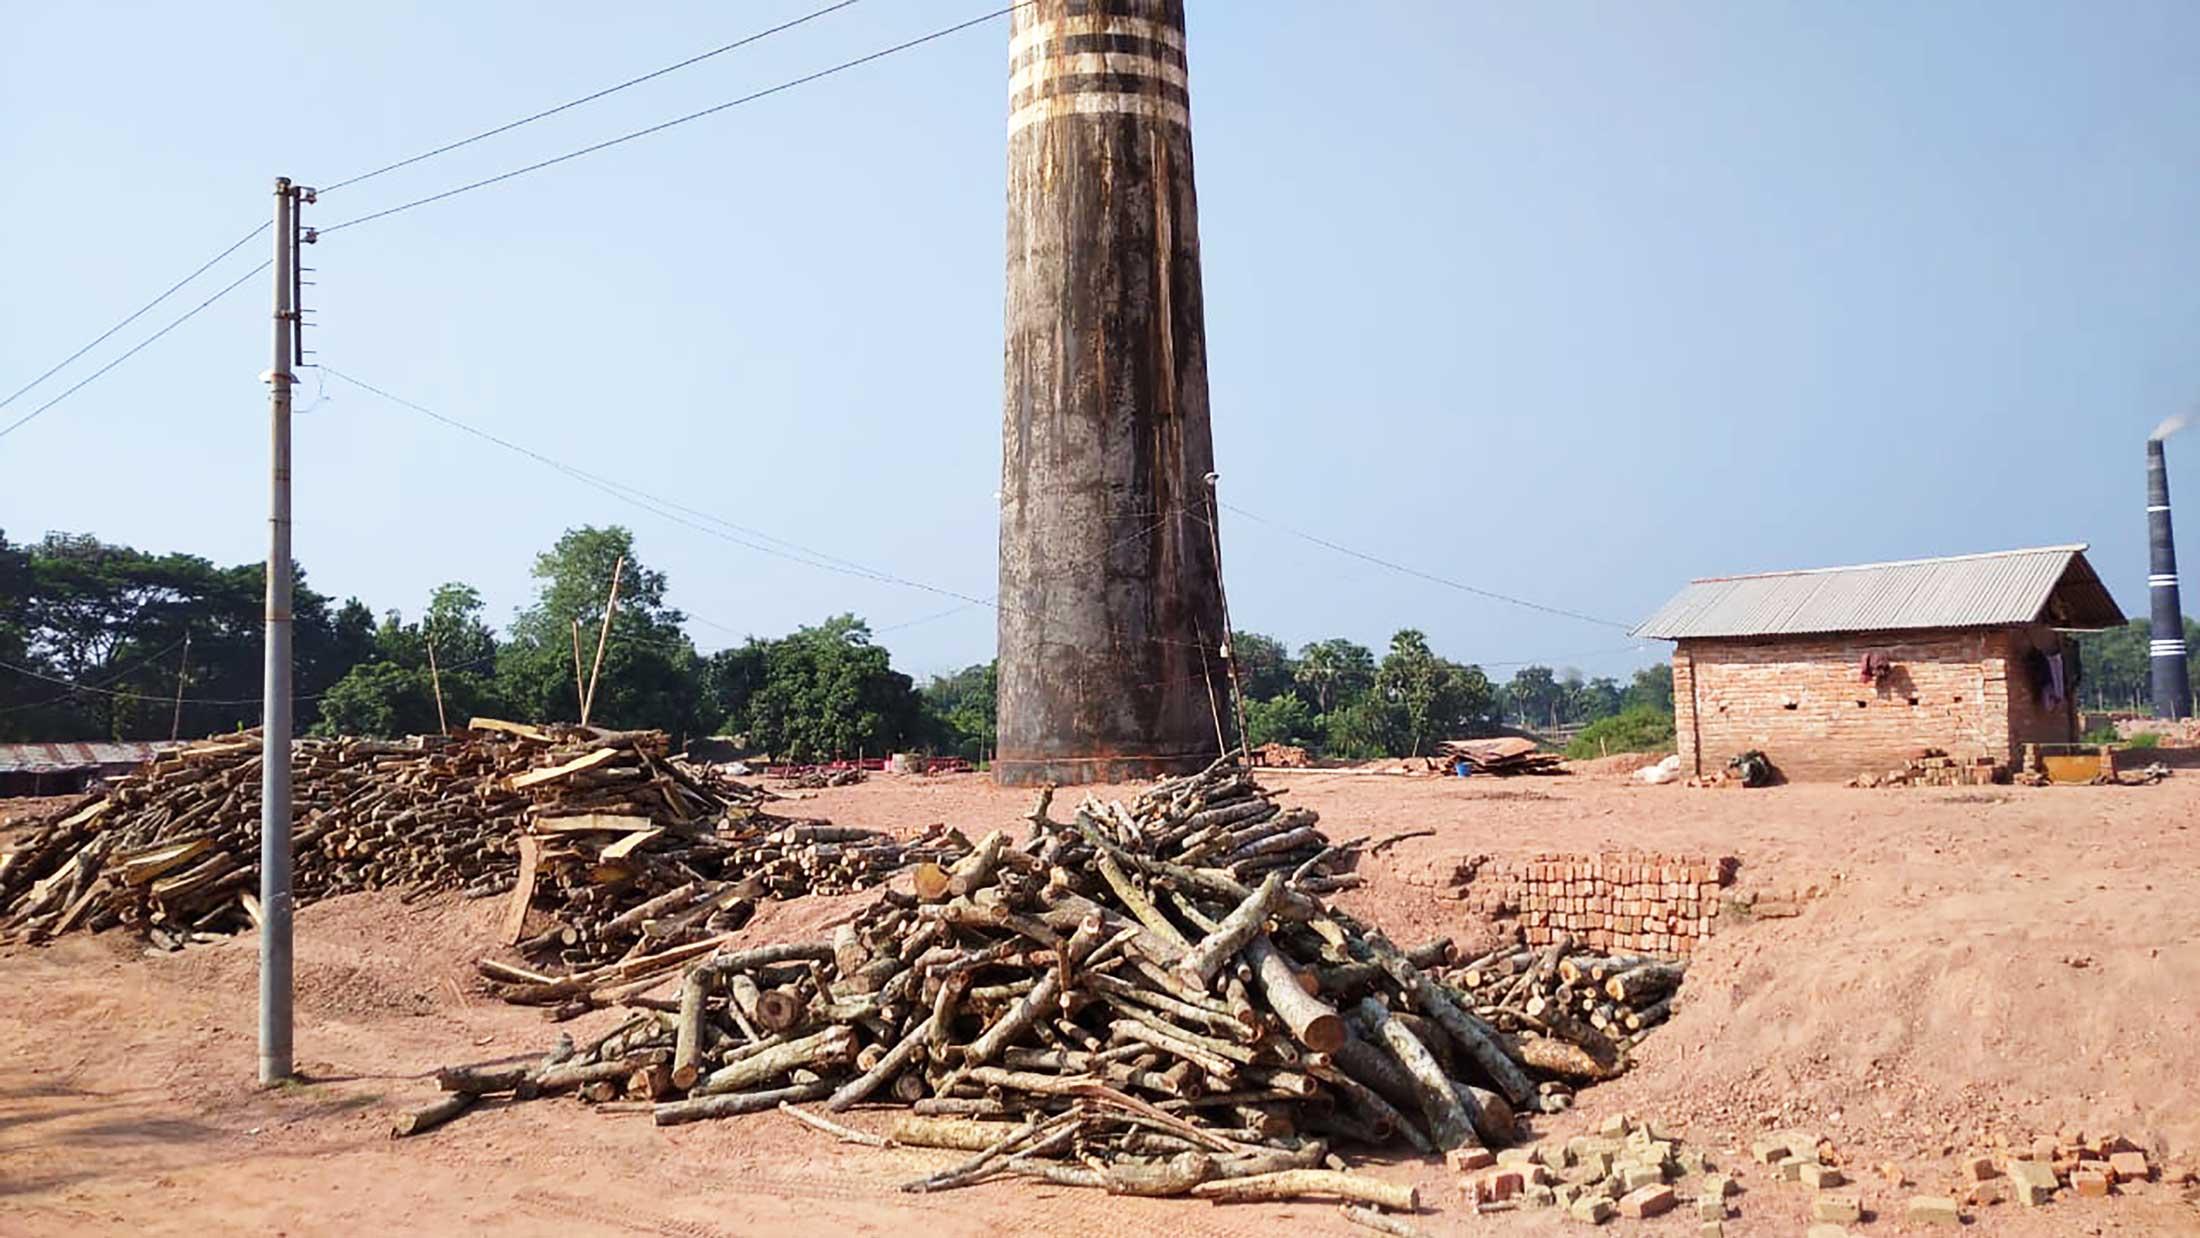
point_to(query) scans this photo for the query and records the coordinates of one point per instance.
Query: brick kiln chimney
(1111, 620)
(2172, 689)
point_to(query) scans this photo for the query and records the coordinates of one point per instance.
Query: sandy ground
(1976, 962)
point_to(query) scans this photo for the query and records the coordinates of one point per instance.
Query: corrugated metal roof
(2051, 584)
(56, 758)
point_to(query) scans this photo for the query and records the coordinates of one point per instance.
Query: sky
(1569, 302)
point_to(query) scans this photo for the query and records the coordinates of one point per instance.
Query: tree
(960, 710)
(1263, 665)
(1282, 719)
(1534, 694)
(395, 693)
(1652, 689)
(828, 692)
(1599, 698)
(1430, 697)
(651, 675)
(1335, 672)
(112, 620)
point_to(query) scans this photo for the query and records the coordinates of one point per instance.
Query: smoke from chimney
(2170, 425)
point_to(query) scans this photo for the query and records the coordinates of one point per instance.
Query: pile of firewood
(1150, 998)
(1574, 1011)
(598, 825)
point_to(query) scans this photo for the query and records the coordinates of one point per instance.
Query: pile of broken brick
(1637, 1170)
(1627, 1168)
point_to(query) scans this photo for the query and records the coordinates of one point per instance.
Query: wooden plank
(523, 890)
(593, 822)
(625, 846)
(520, 729)
(586, 761)
(141, 867)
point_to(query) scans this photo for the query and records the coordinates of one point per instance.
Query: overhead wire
(570, 104)
(790, 551)
(138, 313)
(661, 126)
(1431, 577)
(446, 148)
(134, 350)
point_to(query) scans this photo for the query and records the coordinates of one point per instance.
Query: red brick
(2091, 1182)
(2128, 1166)
(1649, 1201)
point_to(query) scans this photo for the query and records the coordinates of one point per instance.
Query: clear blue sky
(1570, 301)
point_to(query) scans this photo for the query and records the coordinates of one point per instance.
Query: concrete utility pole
(1110, 601)
(275, 901)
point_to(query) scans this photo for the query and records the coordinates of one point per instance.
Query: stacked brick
(1619, 901)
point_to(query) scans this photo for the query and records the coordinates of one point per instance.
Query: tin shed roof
(57, 758)
(2048, 584)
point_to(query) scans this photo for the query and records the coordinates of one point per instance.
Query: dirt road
(1975, 962)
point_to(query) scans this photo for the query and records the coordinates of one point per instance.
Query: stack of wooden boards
(1151, 997)
(608, 819)
(1505, 755)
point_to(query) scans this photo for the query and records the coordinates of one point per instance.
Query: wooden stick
(610, 608)
(435, 677)
(1448, 1124)
(698, 1108)
(1293, 1183)
(835, 1129)
(580, 688)
(1217, 947)
(428, 1117)
(1380, 1222)
(1313, 1022)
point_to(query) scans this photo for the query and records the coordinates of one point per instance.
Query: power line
(136, 314)
(117, 677)
(669, 510)
(29, 673)
(134, 350)
(660, 127)
(1491, 594)
(448, 147)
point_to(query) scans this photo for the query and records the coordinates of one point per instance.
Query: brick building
(1833, 672)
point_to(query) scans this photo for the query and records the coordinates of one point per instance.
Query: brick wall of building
(1801, 701)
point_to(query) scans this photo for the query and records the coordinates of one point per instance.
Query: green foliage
(112, 620)
(1637, 729)
(959, 711)
(651, 676)
(394, 693)
(1262, 663)
(1652, 689)
(1427, 697)
(1334, 672)
(1360, 731)
(2115, 670)
(2103, 734)
(1282, 719)
(826, 692)
(2144, 739)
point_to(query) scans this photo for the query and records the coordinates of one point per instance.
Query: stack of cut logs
(608, 817)
(1151, 998)
(1575, 1011)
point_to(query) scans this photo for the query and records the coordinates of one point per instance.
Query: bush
(1282, 719)
(1640, 729)
(2102, 734)
(2144, 739)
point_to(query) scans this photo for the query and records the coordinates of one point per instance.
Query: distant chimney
(2172, 689)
